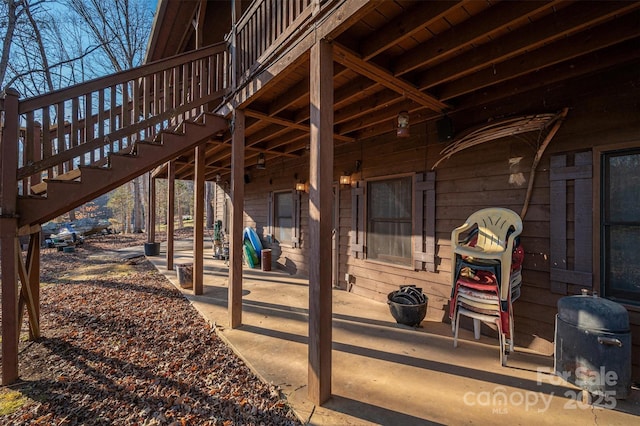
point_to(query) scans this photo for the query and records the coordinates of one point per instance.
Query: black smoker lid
(594, 313)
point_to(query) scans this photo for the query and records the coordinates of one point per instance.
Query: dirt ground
(120, 345)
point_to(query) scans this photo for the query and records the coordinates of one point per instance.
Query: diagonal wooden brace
(26, 295)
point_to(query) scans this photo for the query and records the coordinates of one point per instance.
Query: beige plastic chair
(493, 243)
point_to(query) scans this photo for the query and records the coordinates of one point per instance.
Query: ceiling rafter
(405, 25)
(568, 48)
(549, 29)
(478, 27)
(289, 123)
(596, 61)
(389, 114)
(374, 72)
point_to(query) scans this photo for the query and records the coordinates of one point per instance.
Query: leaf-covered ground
(120, 345)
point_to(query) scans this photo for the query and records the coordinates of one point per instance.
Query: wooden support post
(171, 198)
(236, 13)
(320, 226)
(151, 214)
(237, 219)
(198, 221)
(8, 235)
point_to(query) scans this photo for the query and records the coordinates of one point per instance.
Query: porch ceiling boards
(432, 58)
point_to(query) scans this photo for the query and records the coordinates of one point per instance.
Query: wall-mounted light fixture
(347, 177)
(262, 162)
(403, 125)
(301, 187)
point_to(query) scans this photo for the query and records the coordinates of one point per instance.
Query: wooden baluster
(175, 87)
(156, 94)
(101, 121)
(89, 122)
(47, 148)
(185, 85)
(166, 74)
(202, 69)
(267, 24)
(211, 74)
(27, 148)
(136, 100)
(278, 18)
(37, 156)
(126, 109)
(60, 134)
(193, 66)
(113, 116)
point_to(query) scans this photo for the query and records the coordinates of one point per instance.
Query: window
(620, 224)
(389, 220)
(283, 216)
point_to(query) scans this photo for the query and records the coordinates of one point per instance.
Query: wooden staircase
(57, 196)
(78, 143)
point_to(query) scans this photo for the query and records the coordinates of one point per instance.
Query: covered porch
(384, 373)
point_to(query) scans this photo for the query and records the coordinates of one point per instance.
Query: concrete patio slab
(385, 373)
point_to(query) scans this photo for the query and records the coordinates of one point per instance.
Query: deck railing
(82, 124)
(267, 25)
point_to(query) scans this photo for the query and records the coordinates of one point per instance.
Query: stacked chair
(487, 273)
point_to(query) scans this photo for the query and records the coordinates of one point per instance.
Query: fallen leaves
(128, 348)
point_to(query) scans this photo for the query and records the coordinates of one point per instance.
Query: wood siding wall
(494, 174)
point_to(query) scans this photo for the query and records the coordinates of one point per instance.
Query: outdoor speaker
(445, 129)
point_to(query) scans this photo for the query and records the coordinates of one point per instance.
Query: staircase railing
(83, 124)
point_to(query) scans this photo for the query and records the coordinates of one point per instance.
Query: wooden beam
(492, 21)
(388, 114)
(290, 124)
(237, 220)
(299, 91)
(405, 25)
(622, 53)
(553, 28)
(198, 222)
(171, 200)
(611, 33)
(376, 73)
(320, 211)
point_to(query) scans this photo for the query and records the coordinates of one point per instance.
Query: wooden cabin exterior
(314, 88)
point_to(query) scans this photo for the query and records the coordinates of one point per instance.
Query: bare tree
(121, 28)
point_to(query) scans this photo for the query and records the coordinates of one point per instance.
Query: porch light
(261, 165)
(301, 186)
(403, 125)
(345, 179)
